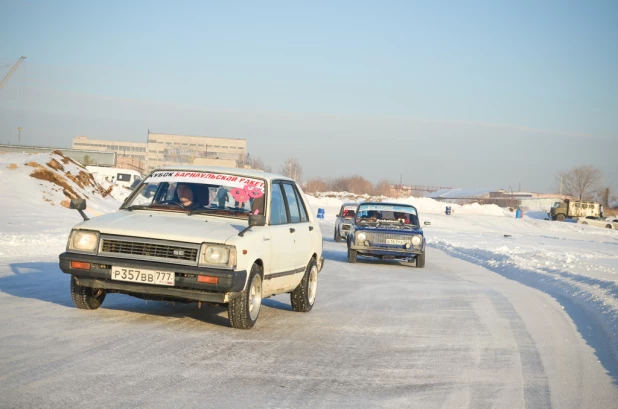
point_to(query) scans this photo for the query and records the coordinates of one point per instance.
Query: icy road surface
(451, 335)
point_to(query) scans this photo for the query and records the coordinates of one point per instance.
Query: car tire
(86, 298)
(584, 222)
(560, 217)
(303, 296)
(608, 226)
(337, 236)
(352, 255)
(420, 260)
(243, 311)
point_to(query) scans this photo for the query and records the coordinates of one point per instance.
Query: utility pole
(19, 135)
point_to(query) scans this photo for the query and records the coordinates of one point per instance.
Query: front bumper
(387, 251)
(230, 283)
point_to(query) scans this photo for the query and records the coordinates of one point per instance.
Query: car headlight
(361, 237)
(217, 255)
(83, 240)
(416, 240)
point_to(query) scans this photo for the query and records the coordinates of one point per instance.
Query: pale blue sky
(462, 93)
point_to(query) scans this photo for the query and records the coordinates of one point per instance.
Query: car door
(300, 222)
(283, 252)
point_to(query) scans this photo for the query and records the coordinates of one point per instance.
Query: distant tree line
(354, 184)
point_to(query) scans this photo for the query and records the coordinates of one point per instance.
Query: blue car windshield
(380, 214)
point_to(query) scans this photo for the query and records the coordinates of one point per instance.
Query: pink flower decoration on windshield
(253, 191)
(240, 194)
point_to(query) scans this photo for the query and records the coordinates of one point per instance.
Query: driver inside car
(185, 195)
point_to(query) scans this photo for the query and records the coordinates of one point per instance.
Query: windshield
(349, 212)
(215, 194)
(557, 204)
(382, 214)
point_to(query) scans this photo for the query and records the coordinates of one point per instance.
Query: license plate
(143, 276)
(393, 241)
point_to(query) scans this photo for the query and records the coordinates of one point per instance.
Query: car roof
(386, 204)
(252, 173)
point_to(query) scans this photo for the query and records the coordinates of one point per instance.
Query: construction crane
(6, 78)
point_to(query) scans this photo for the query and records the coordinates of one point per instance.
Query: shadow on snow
(44, 281)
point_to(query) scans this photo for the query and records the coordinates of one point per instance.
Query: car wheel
(86, 298)
(303, 296)
(420, 260)
(337, 235)
(609, 226)
(560, 217)
(243, 310)
(352, 255)
(584, 222)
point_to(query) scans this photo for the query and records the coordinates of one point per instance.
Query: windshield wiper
(199, 211)
(135, 207)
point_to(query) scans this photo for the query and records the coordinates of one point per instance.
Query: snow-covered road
(507, 313)
(381, 335)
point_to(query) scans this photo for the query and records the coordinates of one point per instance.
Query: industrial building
(129, 155)
(169, 149)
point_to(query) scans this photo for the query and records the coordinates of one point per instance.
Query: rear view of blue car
(387, 231)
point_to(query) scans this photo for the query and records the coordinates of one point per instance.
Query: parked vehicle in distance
(198, 234)
(122, 177)
(599, 222)
(570, 209)
(387, 231)
(345, 219)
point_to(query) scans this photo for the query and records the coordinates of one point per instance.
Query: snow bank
(576, 264)
(332, 202)
(36, 190)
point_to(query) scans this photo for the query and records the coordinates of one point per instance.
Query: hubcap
(255, 297)
(313, 284)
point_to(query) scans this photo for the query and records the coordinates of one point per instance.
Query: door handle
(310, 228)
(292, 230)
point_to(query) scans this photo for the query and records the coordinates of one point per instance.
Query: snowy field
(576, 265)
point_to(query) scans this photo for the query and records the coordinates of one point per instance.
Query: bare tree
(383, 188)
(316, 185)
(581, 182)
(252, 162)
(603, 196)
(353, 184)
(292, 169)
(87, 160)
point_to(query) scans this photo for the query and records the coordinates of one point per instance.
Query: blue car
(387, 231)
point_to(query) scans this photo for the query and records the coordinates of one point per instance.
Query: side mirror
(427, 223)
(78, 204)
(257, 220)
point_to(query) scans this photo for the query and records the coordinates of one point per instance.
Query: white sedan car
(608, 224)
(200, 234)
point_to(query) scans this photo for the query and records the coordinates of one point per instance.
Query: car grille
(380, 238)
(150, 250)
